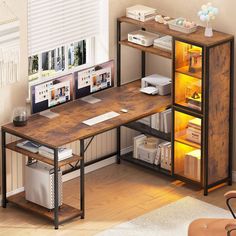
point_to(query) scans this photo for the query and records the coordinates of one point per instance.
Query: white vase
(208, 30)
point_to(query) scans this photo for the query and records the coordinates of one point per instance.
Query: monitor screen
(94, 79)
(52, 93)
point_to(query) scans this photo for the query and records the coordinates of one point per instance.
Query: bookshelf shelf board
(151, 49)
(129, 158)
(187, 179)
(184, 104)
(183, 139)
(185, 70)
(12, 146)
(66, 212)
(148, 130)
(197, 37)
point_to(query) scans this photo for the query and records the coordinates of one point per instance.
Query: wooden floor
(114, 194)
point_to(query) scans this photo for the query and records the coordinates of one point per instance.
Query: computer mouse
(124, 110)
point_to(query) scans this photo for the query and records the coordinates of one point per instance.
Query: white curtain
(52, 23)
(9, 49)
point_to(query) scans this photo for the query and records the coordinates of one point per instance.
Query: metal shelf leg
(82, 192)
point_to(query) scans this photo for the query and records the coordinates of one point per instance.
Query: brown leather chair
(215, 227)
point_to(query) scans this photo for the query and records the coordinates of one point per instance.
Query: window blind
(53, 23)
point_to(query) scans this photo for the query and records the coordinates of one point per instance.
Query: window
(63, 59)
(62, 35)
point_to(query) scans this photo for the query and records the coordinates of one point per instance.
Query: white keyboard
(101, 118)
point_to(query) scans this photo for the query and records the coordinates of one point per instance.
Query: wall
(189, 8)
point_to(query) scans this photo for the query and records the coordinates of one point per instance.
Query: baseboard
(19, 190)
(89, 169)
(95, 166)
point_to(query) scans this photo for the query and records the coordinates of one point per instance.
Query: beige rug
(170, 220)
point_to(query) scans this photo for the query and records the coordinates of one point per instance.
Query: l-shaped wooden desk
(67, 128)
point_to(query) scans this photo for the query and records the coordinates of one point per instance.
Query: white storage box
(192, 165)
(172, 25)
(39, 185)
(193, 135)
(146, 154)
(141, 13)
(164, 42)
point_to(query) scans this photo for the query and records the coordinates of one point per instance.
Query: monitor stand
(49, 114)
(91, 99)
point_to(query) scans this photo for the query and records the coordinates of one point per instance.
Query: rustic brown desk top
(68, 127)
(196, 37)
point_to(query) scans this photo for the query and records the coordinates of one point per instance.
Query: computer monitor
(94, 79)
(52, 93)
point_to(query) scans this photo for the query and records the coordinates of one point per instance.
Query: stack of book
(29, 146)
(192, 165)
(162, 121)
(163, 156)
(194, 131)
(164, 42)
(159, 121)
(195, 102)
(63, 153)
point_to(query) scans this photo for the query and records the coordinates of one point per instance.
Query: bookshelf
(202, 91)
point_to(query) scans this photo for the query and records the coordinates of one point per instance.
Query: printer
(141, 13)
(156, 84)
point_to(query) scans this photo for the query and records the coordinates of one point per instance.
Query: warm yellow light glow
(196, 122)
(196, 153)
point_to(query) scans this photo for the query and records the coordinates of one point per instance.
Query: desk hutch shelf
(202, 92)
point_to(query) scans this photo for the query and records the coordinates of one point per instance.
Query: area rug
(170, 220)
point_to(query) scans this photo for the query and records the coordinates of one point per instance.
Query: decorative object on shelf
(150, 142)
(195, 60)
(193, 95)
(206, 14)
(9, 46)
(182, 25)
(162, 19)
(20, 116)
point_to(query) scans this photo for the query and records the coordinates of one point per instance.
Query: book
(195, 123)
(29, 146)
(165, 159)
(138, 140)
(63, 153)
(167, 118)
(146, 121)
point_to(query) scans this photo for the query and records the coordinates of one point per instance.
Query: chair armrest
(229, 228)
(230, 194)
